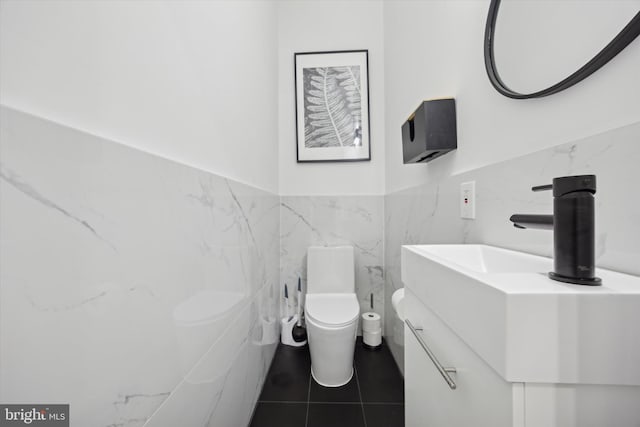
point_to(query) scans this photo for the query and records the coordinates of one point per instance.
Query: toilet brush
(286, 303)
(299, 333)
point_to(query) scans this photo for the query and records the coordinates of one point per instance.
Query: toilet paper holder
(371, 330)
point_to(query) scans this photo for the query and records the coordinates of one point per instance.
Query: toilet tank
(330, 270)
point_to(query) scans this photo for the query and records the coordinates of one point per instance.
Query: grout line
(300, 402)
(384, 403)
(364, 417)
(306, 420)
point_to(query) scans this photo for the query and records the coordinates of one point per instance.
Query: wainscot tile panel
(333, 221)
(136, 289)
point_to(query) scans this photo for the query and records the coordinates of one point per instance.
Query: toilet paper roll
(371, 322)
(372, 339)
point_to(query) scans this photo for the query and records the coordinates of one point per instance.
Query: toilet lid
(332, 309)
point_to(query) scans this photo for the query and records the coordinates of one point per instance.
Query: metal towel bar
(443, 371)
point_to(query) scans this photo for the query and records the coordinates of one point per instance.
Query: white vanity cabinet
(527, 352)
(481, 396)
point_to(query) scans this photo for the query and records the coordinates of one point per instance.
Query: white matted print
(332, 106)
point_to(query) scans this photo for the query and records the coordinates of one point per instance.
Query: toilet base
(372, 347)
(331, 385)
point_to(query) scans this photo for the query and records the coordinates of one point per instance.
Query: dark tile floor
(291, 398)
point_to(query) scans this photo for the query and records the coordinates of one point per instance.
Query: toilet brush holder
(286, 334)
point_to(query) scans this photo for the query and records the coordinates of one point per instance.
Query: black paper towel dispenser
(430, 131)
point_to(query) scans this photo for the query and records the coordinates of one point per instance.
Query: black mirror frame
(622, 40)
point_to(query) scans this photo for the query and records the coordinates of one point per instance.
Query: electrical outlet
(468, 200)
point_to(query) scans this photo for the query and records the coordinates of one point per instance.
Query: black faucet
(573, 225)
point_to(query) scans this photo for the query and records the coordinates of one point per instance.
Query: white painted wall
(435, 48)
(193, 81)
(307, 26)
(197, 82)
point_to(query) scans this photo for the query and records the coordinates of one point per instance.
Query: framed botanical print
(332, 106)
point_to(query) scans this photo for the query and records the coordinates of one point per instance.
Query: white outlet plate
(468, 200)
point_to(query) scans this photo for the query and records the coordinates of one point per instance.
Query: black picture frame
(332, 106)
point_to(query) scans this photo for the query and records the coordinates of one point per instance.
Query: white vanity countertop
(526, 326)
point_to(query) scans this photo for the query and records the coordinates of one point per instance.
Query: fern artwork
(332, 106)
(332, 109)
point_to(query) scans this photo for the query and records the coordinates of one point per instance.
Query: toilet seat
(332, 310)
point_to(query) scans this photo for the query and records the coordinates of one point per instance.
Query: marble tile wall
(333, 221)
(430, 213)
(136, 289)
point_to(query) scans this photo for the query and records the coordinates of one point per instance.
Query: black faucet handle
(570, 184)
(542, 187)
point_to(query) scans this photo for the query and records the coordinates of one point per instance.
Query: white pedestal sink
(551, 342)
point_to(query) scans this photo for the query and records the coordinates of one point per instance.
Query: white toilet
(331, 313)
